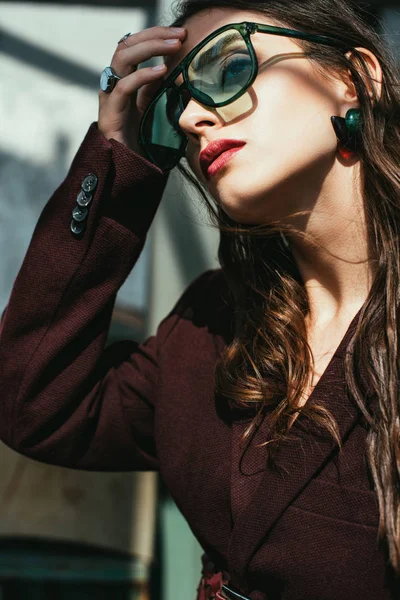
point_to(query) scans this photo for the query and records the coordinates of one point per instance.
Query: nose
(196, 119)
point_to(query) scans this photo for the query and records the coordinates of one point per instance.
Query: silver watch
(108, 79)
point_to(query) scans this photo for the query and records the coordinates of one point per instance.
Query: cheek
(280, 106)
(291, 118)
(240, 108)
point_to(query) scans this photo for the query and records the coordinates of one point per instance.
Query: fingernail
(171, 41)
(159, 68)
(178, 29)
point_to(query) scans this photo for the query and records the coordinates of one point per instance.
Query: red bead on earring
(347, 132)
(345, 152)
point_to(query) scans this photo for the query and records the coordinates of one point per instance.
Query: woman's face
(284, 120)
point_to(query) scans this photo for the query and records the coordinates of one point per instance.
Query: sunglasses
(216, 72)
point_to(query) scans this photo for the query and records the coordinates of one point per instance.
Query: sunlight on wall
(51, 58)
(36, 105)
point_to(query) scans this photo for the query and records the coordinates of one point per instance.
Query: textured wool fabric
(308, 531)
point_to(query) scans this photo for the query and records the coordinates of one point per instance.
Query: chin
(241, 215)
(248, 207)
(251, 196)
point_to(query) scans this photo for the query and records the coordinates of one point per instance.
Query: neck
(337, 269)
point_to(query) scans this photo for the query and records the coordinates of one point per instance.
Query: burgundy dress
(308, 532)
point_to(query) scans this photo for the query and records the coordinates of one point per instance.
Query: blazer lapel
(248, 467)
(259, 495)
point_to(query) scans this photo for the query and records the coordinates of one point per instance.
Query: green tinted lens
(160, 131)
(219, 72)
(221, 69)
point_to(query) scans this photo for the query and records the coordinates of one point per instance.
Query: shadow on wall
(58, 66)
(24, 191)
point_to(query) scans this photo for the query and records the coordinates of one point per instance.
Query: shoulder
(202, 306)
(203, 295)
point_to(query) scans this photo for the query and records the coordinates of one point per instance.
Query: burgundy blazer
(308, 532)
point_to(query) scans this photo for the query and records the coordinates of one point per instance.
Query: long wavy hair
(268, 362)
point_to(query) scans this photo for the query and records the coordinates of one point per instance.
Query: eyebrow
(214, 51)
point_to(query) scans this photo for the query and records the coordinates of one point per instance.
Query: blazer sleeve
(66, 399)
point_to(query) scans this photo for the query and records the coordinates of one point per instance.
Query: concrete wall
(50, 60)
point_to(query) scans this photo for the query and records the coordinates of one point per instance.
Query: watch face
(104, 79)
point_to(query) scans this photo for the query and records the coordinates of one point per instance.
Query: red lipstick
(217, 154)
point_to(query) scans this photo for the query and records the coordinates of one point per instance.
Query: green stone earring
(348, 129)
(353, 121)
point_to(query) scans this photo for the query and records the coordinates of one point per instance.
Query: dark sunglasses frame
(246, 29)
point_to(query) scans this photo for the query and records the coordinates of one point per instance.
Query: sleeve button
(80, 213)
(84, 199)
(89, 184)
(76, 227)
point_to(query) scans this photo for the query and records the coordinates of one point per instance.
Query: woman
(268, 399)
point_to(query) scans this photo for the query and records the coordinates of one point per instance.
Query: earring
(347, 131)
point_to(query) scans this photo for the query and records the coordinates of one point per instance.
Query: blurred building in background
(67, 534)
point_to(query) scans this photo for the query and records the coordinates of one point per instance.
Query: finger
(125, 61)
(126, 89)
(153, 33)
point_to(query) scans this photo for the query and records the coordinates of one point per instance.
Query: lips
(214, 150)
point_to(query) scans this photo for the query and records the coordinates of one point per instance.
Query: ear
(372, 80)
